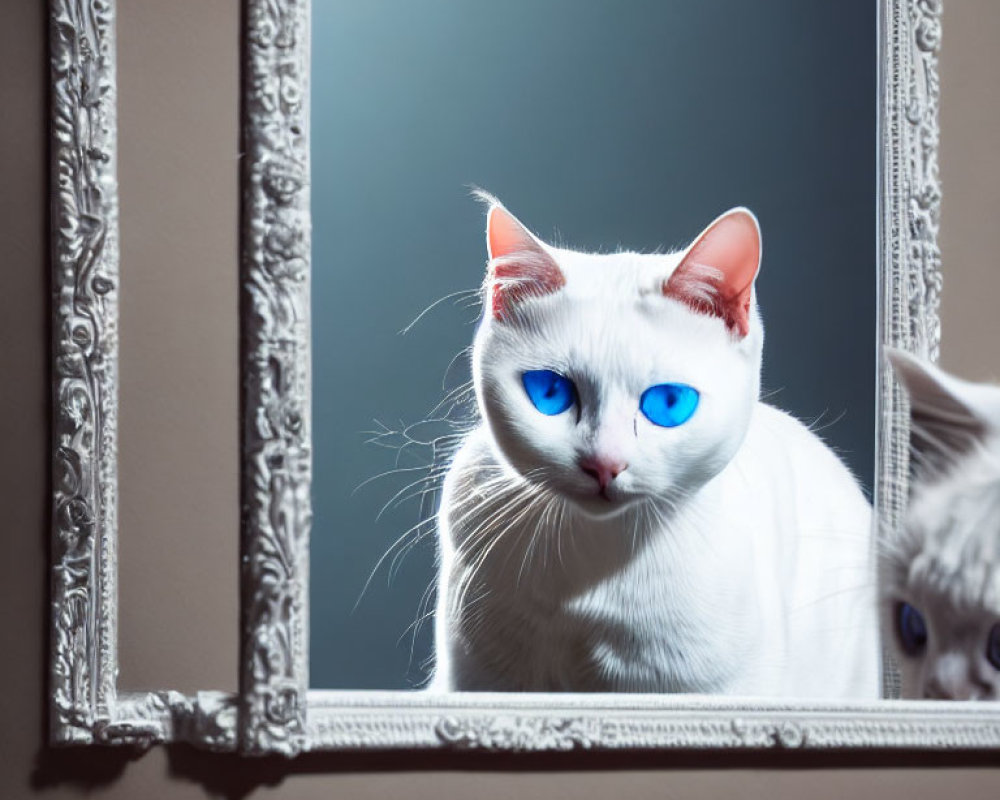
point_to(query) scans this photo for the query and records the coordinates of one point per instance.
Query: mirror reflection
(642, 367)
(940, 572)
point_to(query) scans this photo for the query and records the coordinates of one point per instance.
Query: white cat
(941, 571)
(628, 516)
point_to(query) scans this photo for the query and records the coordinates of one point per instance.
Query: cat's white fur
(733, 555)
(945, 560)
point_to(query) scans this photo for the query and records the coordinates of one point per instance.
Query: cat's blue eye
(993, 646)
(550, 392)
(912, 629)
(669, 404)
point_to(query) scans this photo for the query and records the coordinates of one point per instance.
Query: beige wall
(970, 172)
(178, 165)
(184, 239)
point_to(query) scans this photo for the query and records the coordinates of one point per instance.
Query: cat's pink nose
(602, 469)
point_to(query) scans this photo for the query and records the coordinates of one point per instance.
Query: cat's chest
(637, 630)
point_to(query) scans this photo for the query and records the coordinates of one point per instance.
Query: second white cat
(628, 516)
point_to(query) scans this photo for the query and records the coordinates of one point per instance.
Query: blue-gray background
(608, 122)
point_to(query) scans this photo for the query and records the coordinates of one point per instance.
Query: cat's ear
(716, 273)
(519, 265)
(949, 416)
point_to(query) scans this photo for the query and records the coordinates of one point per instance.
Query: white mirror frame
(274, 711)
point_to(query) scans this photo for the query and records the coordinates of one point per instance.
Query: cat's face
(602, 381)
(941, 572)
(946, 653)
(942, 589)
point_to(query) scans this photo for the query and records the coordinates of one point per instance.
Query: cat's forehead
(622, 334)
(953, 540)
(612, 319)
(959, 508)
(958, 589)
(619, 274)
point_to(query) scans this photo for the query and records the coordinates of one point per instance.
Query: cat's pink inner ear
(717, 273)
(504, 234)
(519, 265)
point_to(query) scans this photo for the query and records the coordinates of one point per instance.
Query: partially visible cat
(940, 573)
(628, 516)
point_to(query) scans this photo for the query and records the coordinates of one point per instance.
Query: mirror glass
(601, 125)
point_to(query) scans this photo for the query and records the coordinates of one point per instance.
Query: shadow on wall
(234, 777)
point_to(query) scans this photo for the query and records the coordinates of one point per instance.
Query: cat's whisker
(454, 397)
(417, 534)
(386, 474)
(424, 612)
(767, 395)
(398, 496)
(465, 351)
(525, 497)
(504, 505)
(401, 496)
(481, 558)
(526, 557)
(435, 304)
(499, 529)
(547, 530)
(560, 524)
(399, 541)
(815, 425)
(414, 627)
(511, 551)
(426, 488)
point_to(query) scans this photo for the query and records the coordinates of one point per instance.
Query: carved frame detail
(277, 465)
